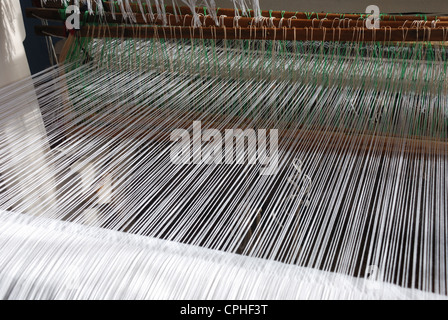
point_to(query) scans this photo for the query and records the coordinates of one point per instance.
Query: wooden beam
(300, 34)
(243, 22)
(265, 13)
(289, 137)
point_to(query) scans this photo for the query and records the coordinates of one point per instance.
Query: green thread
(63, 14)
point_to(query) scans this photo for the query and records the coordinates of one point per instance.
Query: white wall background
(350, 6)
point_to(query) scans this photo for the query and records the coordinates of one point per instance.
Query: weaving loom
(336, 188)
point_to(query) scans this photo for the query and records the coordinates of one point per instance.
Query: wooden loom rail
(265, 13)
(300, 137)
(244, 22)
(144, 128)
(300, 34)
